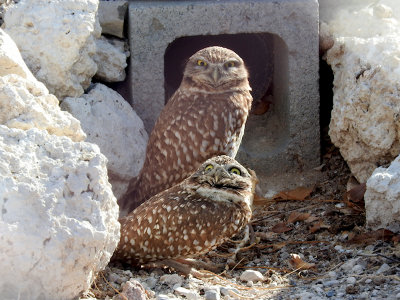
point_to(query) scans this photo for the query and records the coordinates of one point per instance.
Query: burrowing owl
(205, 117)
(192, 217)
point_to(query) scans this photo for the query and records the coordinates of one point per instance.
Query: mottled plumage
(192, 217)
(205, 117)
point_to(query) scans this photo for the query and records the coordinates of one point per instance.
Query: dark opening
(326, 102)
(254, 49)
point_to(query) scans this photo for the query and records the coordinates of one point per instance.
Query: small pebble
(318, 289)
(332, 274)
(251, 275)
(171, 279)
(398, 296)
(369, 280)
(378, 281)
(212, 288)
(364, 295)
(229, 291)
(191, 295)
(162, 297)
(339, 248)
(151, 282)
(112, 277)
(358, 269)
(349, 265)
(330, 293)
(331, 283)
(212, 295)
(383, 268)
(351, 280)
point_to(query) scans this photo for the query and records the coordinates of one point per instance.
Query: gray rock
(189, 294)
(212, 295)
(383, 268)
(112, 16)
(172, 279)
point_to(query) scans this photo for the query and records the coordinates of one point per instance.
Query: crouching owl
(205, 117)
(192, 217)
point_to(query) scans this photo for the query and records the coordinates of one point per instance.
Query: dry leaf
(372, 237)
(311, 219)
(297, 263)
(262, 106)
(259, 200)
(356, 194)
(280, 228)
(317, 226)
(299, 193)
(298, 216)
(354, 198)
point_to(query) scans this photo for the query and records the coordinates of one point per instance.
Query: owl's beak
(216, 75)
(219, 174)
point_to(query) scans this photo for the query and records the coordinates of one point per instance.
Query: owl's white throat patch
(221, 195)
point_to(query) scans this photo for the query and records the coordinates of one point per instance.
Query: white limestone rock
(26, 104)
(110, 122)
(365, 60)
(251, 275)
(58, 225)
(11, 61)
(57, 41)
(382, 198)
(112, 17)
(111, 58)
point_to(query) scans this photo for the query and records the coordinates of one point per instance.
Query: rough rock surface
(58, 225)
(365, 61)
(111, 58)
(382, 198)
(112, 17)
(57, 41)
(110, 122)
(11, 61)
(26, 104)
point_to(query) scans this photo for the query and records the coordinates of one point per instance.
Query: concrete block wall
(278, 40)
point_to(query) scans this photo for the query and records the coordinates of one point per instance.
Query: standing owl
(205, 117)
(192, 217)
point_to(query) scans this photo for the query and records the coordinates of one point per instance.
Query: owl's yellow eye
(201, 63)
(230, 64)
(235, 171)
(209, 168)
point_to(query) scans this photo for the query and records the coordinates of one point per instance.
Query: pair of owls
(201, 128)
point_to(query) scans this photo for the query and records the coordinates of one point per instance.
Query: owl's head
(216, 69)
(222, 178)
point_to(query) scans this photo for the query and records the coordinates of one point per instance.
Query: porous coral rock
(57, 41)
(11, 61)
(111, 59)
(26, 104)
(58, 222)
(382, 198)
(365, 60)
(110, 122)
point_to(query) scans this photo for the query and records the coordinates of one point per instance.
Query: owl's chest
(225, 112)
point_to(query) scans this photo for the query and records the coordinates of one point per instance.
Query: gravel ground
(309, 243)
